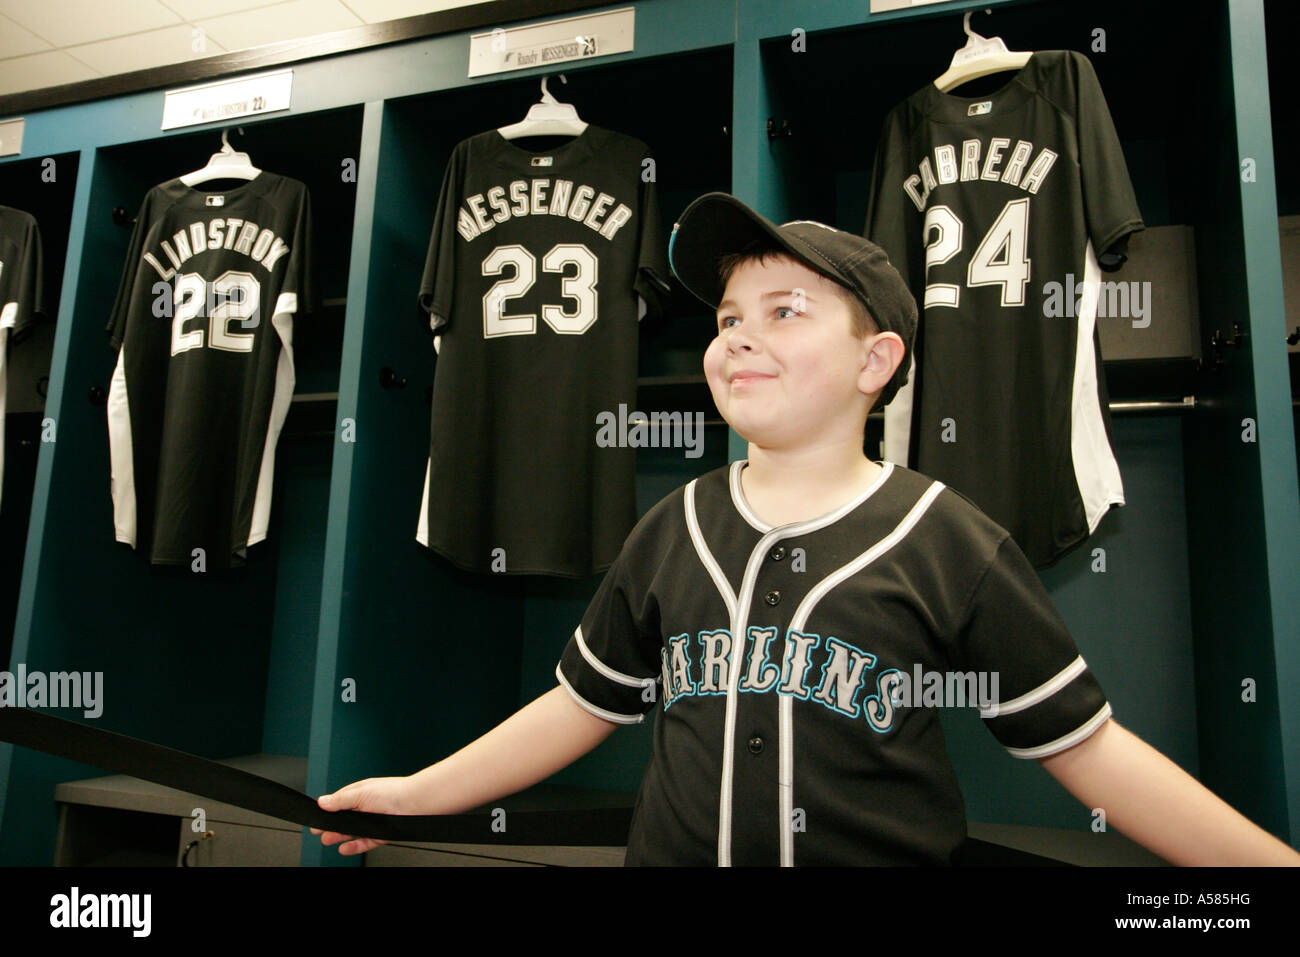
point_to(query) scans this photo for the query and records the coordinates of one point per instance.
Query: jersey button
(777, 553)
(773, 597)
(755, 745)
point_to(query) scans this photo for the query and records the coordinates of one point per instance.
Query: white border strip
(706, 557)
(598, 712)
(605, 669)
(1084, 730)
(1041, 693)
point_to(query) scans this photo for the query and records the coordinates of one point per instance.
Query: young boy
(773, 611)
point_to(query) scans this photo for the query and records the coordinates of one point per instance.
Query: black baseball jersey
(21, 282)
(539, 267)
(812, 739)
(203, 325)
(995, 210)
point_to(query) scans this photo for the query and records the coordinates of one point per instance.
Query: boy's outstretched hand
(378, 795)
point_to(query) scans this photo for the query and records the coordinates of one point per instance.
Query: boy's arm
(1152, 800)
(539, 739)
(532, 744)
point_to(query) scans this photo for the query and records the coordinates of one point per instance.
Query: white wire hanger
(547, 118)
(226, 164)
(979, 57)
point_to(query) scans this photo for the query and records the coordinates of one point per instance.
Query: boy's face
(786, 369)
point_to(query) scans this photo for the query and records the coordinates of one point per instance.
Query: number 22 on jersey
(232, 297)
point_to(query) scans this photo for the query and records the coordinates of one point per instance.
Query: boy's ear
(885, 353)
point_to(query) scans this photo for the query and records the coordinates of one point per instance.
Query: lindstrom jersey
(791, 671)
(539, 267)
(995, 210)
(203, 325)
(21, 281)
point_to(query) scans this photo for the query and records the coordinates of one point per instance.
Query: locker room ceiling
(65, 41)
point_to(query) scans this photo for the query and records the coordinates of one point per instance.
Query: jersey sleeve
(888, 209)
(652, 272)
(1109, 203)
(125, 290)
(1047, 700)
(611, 663)
(298, 291)
(23, 283)
(437, 286)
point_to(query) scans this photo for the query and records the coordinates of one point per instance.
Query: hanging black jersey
(539, 267)
(996, 210)
(796, 671)
(203, 325)
(21, 282)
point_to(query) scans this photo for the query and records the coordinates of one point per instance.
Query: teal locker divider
(1240, 747)
(1276, 645)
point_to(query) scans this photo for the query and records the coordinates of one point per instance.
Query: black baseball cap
(718, 224)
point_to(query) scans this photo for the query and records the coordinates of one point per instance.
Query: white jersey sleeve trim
(598, 712)
(898, 421)
(286, 306)
(422, 527)
(121, 454)
(705, 555)
(1041, 693)
(9, 315)
(1095, 469)
(1079, 734)
(606, 670)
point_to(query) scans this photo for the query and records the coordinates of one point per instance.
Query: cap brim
(716, 225)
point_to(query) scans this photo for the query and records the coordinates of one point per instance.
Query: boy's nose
(741, 338)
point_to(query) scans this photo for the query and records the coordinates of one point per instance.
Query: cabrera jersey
(20, 292)
(792, 670)
(203, 325)
(539, 267)
(995, 210)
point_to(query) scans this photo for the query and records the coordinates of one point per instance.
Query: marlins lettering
(977, 163)
(237, 235)
(537, 197)
(835, 684)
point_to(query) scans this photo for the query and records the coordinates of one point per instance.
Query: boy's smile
(785, 367)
